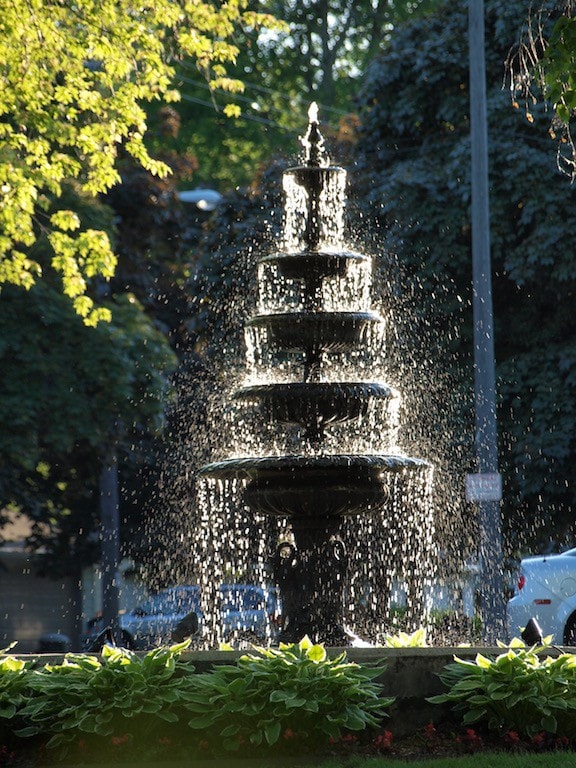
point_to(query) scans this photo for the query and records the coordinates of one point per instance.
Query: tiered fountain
(314, 318)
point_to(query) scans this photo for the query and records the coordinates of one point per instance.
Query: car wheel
(127, 641)
(570, 631)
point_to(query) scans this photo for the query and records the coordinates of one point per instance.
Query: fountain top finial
(313, 141)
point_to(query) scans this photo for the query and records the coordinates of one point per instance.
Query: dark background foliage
(185, 283)
(414, 155)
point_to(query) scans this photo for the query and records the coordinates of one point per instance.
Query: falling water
(344, 349)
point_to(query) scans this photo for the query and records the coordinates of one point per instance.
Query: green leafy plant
(294, 692)
(104, 697)
(521, 690)
(121, 701)
(415, 639)
(14, 674)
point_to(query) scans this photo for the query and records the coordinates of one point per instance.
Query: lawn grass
(476, 760)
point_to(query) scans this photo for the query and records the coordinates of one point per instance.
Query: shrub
(106, 696)
(14, 674)
(124, 701)
(294, 689)
(416, 639)
(521, 691)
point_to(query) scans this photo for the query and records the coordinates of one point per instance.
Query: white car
(546, 592)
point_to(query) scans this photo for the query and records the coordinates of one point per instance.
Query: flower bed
(289, 704)
(290, 700)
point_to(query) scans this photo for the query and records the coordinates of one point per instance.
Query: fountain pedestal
(316, 564)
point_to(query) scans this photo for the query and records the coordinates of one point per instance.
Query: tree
(66, 392)
(329, 42)
(73, 82)
(320, 54)
(542, 69)
(414, 158)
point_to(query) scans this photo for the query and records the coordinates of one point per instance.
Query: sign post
(489, 525)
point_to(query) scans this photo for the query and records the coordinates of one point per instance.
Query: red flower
(6, 757)
(203, 745)
(117, 741)
(383, 741)
(288, 734)
(471, 739)
(348, 738)
(511, 738)
(539, 740)
(430, 732)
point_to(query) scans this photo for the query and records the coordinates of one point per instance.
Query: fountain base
(314, 493)
(311, 575)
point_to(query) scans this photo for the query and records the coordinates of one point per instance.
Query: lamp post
(484, 488)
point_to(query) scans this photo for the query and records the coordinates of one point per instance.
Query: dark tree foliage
(414, 158)
(156, 243)
(66, 392)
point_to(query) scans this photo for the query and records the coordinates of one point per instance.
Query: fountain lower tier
(314, 405)
(314, 493)
(315, 487)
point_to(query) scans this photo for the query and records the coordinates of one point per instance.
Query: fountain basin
(313, 265)
(315, 487)
(316, 404)
(318, 331)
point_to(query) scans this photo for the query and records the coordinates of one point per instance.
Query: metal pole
(110, 539)
(488, 493)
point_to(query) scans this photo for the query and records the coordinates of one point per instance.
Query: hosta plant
(415, 639)
(522, 690)
(104, 696)
(295, 691)
(14, 676)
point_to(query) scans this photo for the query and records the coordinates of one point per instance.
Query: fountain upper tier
(315, 199)
(311, 265)
(316, 332)
(314, 405)
(307, 321)
(310, 191)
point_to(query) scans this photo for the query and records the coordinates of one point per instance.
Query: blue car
(246, 611)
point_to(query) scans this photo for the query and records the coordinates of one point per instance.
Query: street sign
(484, 487)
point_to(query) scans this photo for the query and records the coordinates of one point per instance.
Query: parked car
(546, 592)
(246, 609)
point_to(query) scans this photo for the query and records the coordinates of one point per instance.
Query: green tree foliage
(73, 81)
(414, 158)
(330, 42)
(542, 69)
(320, 54)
